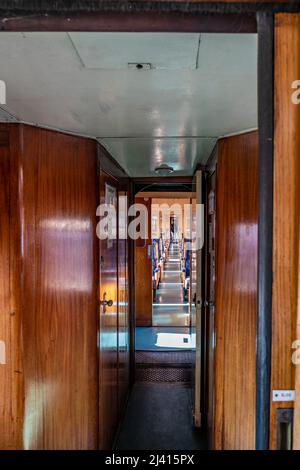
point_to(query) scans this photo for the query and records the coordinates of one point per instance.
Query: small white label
(2, 92)
(283, 395)
(2, 353)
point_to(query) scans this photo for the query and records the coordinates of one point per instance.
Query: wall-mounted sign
(2, 353)
(283, 395)
(2, 92)
(111, 201)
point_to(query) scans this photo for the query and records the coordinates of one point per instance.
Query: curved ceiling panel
(139, 157)
(199, 87)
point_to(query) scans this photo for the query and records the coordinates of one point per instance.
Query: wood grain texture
(123, 311)
(110, 165)
(236, 287)
(296, 439)
(60, 290)
(143, 274)
(286, 207)
(11, 365)
(209, 311)
(114, 347)
(108, 331)
(55, 379)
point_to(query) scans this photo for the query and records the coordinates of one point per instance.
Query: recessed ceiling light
(164, 170)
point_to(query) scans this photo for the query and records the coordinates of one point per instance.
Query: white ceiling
(114, 51)
(199, 87)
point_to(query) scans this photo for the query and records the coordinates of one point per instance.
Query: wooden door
(196, 295)
(11, 366)
(209, 304)
(286, 227)
(123, 301)
(236, 292)
(59, 290)
(108, 324)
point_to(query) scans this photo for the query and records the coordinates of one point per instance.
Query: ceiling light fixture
(140, 65)
(164, 170)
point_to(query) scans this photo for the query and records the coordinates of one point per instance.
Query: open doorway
(168, 332)
(166, 274)
(176, 118)
(174, 356)
(165, 338)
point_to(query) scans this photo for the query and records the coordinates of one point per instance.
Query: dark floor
(159, 417)
(159, 413)
(167, 366)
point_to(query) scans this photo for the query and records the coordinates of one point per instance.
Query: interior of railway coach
(133, 344)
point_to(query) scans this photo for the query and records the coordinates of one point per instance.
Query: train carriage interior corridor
(130, 342)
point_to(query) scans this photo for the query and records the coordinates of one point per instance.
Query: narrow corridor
(159, 417)
(169, 306)
(159, 414)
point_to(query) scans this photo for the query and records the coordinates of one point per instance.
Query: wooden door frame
(198, 16)
(110, 168)
(265, 31)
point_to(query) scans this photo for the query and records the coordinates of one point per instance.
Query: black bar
(21, 8)
(131, 21)
(137, 15)
(265, 29)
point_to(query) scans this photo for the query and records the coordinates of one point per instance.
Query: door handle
(106, 303)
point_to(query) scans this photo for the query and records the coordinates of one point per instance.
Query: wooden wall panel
(296, 440)
(236, 286)
(11, 368)
(286, 206)
(208, 401)
(108, 330)
(114, 347)
(60, 290)
(123, 312)
(143, 274)
(49, 298)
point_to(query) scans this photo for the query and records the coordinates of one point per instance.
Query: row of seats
(160, 249)
(185, 266)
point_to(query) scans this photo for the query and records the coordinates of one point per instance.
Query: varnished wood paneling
(108, 164)
(114, 347)
(123, 309)
(11, 368)
(296, 443)
(60, 290)
(143, 274)
(49, 194)
(114, 344)
(236, 286)
(209, 311)
(108, 330)
(286, 206)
